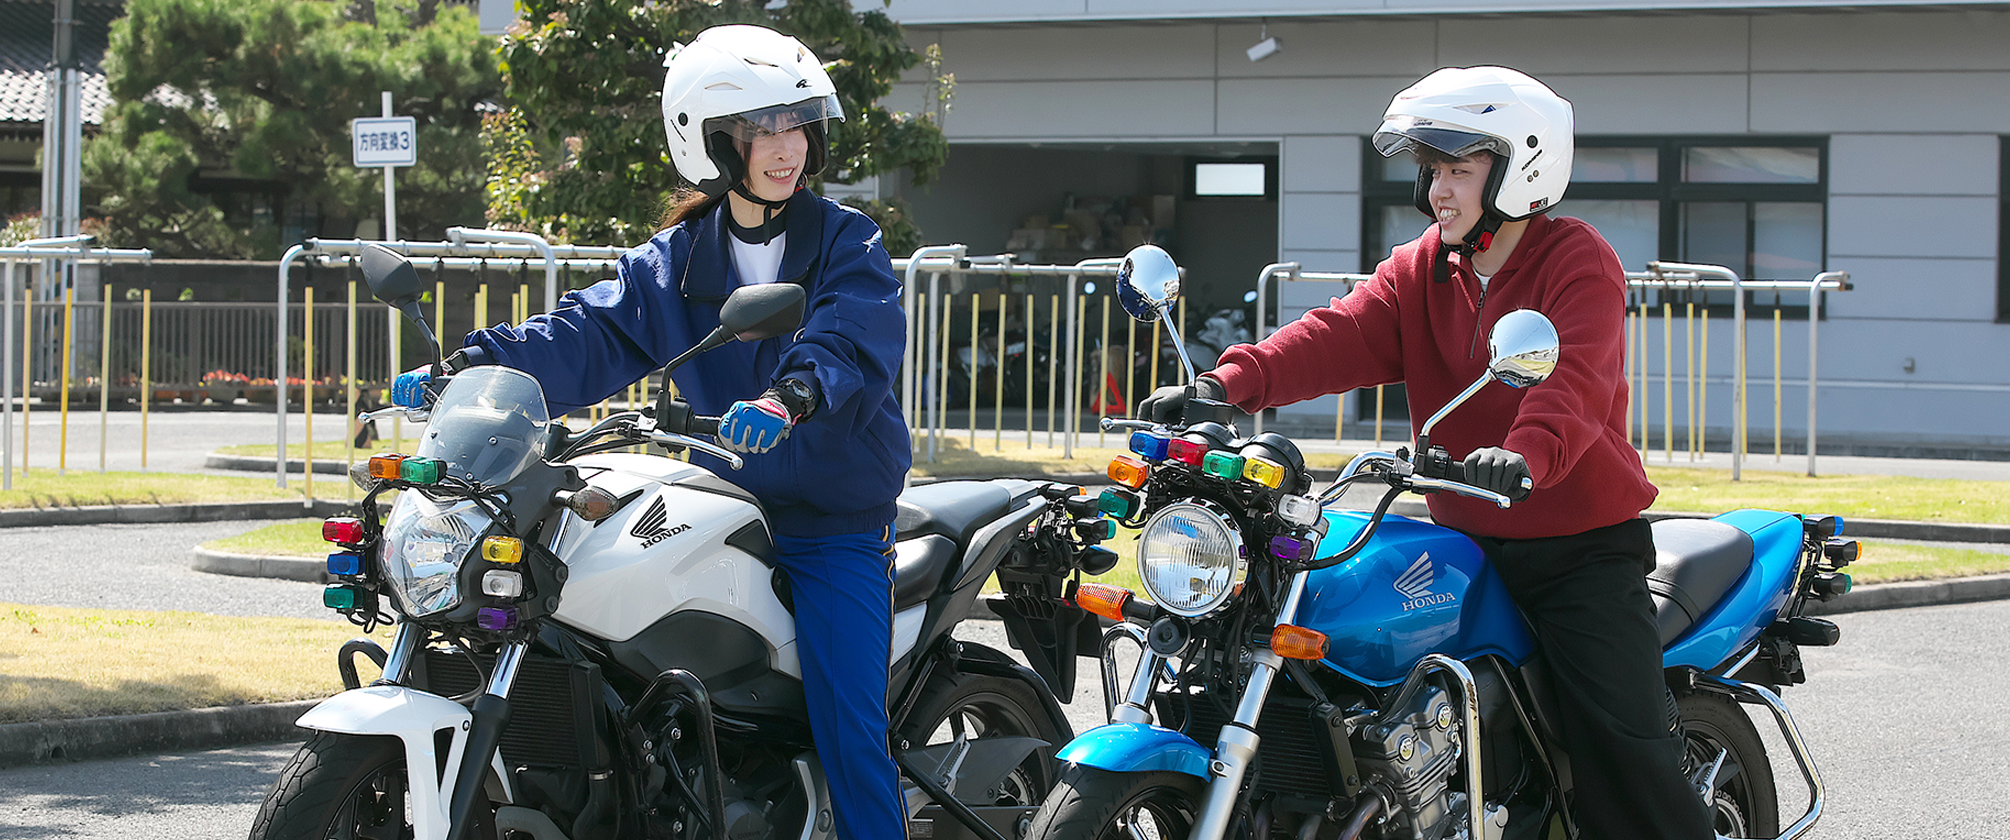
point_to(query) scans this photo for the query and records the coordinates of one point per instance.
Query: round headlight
(1189, 557)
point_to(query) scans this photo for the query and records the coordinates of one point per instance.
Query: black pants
(1585, 596)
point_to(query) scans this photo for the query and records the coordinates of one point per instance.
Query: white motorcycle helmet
(735, 83)
(1463, 110)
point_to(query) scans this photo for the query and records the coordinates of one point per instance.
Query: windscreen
(488, 425)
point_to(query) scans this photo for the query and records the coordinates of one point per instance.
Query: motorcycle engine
(1409, 755)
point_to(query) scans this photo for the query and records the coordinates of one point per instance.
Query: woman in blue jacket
(744, 110)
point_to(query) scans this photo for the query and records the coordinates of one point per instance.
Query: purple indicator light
(495, 618)
(1290, 548)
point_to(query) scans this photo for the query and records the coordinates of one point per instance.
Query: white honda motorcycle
(596, 644)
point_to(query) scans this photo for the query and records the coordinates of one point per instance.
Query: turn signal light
(1223, 465)
(1103, 599)
(502, 550)
(1264, 471)
(419, 470)
(1151, 446)
(385, 466)
(342, 529)
(1841, 553)
(1298, 510)
(1186, 451)
(500, 584)
(591, 504)
(1293, 642)
(1128, 471)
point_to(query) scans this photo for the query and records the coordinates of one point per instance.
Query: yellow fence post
(146, 366)
(1053, 359)
(1028, 331)
(1668, 381)
(1646, 439)
(27, 384)
(104, 377)
(349, 386)
(998, 374)
(970, 380)
(1105, 383)
(63, 390)
(1703, 396)
(1689, 333)
(1776, 381)
(306, 389)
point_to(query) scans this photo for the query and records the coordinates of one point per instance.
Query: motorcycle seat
(954, 509)
(918, 568)
(1696, 562)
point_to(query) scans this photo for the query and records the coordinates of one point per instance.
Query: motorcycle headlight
(1189, 557)
(424, 544)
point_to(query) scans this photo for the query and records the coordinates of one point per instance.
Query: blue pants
(843, 589)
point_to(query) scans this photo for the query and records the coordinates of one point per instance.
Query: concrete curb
(84, 739)
(134, 514)
(251, 463)
(309, 569)
(1917, 593)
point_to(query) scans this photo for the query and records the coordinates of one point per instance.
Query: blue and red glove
(409, 388)
(755, 426)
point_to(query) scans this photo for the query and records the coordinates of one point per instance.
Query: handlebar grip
(702, 425)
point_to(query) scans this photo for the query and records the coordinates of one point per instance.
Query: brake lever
(1428, 485)
(672, 439)
(414, 413)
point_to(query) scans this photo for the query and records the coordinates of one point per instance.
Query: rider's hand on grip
(409, 388)
(754, 426)
(1499, 470)
(1168, 405)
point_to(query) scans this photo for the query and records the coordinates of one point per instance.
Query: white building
(1784, 141)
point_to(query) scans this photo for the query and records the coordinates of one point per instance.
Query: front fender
(413, 717)
(1137, 748)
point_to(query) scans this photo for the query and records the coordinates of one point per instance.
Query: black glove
(1168, 404)
(1499, 470)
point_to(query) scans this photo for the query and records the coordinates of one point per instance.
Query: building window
(1232, 178)
(1756, 205)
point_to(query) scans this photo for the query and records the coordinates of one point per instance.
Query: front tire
(344, 787)
(1093, 804)
(1742, 801)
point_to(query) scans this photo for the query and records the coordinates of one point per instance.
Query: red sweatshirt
(1402, 327)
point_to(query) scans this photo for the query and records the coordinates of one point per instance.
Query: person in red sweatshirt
(1494, 151)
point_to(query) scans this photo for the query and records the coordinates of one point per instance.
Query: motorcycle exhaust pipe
(1366, 812)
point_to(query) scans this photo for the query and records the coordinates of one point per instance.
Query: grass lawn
(44, 488)
(66, 663)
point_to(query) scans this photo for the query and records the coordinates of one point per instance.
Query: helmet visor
(775, 119)
(1402, 133)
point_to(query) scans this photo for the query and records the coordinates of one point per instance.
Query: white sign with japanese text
(384, 141)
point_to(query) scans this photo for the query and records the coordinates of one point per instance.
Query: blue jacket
(840, 469)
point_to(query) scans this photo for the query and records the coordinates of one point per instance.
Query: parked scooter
(1314, 673)
(597, 644)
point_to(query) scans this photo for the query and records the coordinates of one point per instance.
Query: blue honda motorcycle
(1318, 674)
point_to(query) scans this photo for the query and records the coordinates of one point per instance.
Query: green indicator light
(420, 470)
(1119, 505)
(338, 598)
(1223, 465)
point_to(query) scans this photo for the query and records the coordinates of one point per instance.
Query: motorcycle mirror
(753, 313)
(1147, 285)
(1523, 347)
(393, 281)
(1148, 282)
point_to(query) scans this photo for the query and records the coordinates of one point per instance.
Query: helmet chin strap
(769, 209)
(1479, 239)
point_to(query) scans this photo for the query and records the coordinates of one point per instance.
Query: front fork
(490, 715)
(1235, 749)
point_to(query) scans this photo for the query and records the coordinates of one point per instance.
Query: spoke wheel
(1741, 798)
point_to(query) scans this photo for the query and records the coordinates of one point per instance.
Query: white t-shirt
(759, 264)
